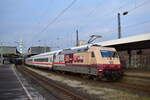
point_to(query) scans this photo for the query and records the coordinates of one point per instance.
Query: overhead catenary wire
(44, 13)
(132, 25)
(93, 10)
(112, 11)
(50, 23)
(129, 26)
(57, 17)
(137, 24)
(106, 13)
(64, 10)
(122, 6)
(140, 5)
(136, 7)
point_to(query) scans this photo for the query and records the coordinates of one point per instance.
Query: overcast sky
(25, 19)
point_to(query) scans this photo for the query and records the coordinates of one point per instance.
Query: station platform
(10, 86)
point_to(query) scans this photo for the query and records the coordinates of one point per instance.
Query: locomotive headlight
(100, 70)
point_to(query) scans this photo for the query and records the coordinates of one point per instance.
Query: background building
(38, 49)
(8, 52)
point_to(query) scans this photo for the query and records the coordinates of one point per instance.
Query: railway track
(58, 91)
(132, 88)
(121, 85)
(123, 88)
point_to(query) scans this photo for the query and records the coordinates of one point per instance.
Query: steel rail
(61, 93)
(135, 88)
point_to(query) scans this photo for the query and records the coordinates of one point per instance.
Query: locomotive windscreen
(107, 53)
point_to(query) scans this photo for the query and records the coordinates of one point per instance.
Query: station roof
(8, 50)
(129, 43)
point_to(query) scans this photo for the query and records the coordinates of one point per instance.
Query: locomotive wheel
(112, 75)
(111, 78)
(86, 76)
(96, 78)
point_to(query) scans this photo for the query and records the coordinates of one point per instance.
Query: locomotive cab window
(110, 54)
(92, 54)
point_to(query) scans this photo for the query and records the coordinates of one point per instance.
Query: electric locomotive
(91, 60)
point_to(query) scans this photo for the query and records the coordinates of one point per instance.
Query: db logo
(78, 58)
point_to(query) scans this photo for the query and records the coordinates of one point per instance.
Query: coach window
(51, 60)
(92, 54)
(41, 60)
(29, 60)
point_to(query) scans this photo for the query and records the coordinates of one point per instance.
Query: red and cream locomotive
(91, 60)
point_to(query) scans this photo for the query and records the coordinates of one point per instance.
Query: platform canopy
(129, 43)
(9, 51)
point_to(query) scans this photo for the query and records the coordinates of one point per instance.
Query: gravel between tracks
(94, 90)
(31, 89)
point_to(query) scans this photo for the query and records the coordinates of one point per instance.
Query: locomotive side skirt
(83, 69)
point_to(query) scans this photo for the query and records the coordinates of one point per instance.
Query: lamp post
(119, 23)
(1, 53)
(77, 38)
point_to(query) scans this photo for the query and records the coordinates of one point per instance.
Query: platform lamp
(119, 23)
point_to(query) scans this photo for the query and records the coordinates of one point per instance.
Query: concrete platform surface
(10, 86)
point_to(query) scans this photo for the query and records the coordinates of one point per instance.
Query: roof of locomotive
(84, 46)
(80, 49)
(69, 50)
